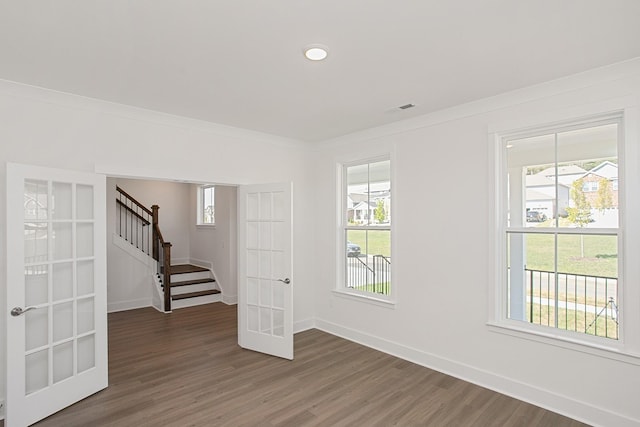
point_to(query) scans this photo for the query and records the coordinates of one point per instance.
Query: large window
(560, 234)
(367, 227)
(206, 205)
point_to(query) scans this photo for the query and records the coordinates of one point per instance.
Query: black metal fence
(369, 273)
(575, 302)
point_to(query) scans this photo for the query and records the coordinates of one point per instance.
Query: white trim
(206, 226)
(202, 263)
(303, 325)
(200, 224)
(113, 307)
(230, 299)
(341, 226)
(565, 405)
(584, 344)
(627, 347)
(180, 261)
(565, 230)
(364, 297)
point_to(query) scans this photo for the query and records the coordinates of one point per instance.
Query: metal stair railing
(134, 220)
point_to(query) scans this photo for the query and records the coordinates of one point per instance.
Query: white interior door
(265, 297)
(56, 290)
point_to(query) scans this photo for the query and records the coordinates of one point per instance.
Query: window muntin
(561, 229)
(367, 227)
(206, 205)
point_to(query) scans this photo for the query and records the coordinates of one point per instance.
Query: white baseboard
(230, 299)
(200, 263)
(178, 261)
(560, 404)
(303, 325)
(112, 307)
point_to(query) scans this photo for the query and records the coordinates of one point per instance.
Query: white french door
(56, 290)
(265, 297)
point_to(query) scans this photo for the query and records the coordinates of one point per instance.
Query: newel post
(166, 280)
(154, 227)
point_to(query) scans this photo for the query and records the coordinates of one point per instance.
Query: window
(561, 242)
(367, 227)
(206, 205)
(590, 186)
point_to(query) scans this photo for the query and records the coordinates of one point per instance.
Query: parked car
(353, 249)
(535, 216)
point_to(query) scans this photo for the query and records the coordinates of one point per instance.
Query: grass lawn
(575, 321)
(379, 242)
(376, 288)
(600, 254)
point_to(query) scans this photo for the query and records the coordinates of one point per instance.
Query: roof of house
(533, 195)
(541, 181)
(563, 170)
(605, 169)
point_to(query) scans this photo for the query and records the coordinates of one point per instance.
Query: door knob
(17, 311)
(286, 281)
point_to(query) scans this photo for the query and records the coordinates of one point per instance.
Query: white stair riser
(189, 302)
(177, 290)
(191, 276)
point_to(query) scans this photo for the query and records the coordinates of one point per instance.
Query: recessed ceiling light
(315, 52)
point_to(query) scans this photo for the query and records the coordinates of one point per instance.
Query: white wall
(217, 245)
(441, 253)
(47, 128)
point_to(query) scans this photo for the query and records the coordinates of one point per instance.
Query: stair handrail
(161, 250)
(133, 199)
(133, 219)
(163, 262)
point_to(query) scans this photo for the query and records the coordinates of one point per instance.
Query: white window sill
(555, 338)
(206, 226)
(366, 298)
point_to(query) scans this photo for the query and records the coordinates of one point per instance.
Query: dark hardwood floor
(186, 369)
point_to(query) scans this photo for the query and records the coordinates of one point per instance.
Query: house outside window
(367, 227)
(206, 205)
(590, 186)
(561, 250)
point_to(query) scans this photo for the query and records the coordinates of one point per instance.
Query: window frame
(200, 206)
(627, 346)
(341, 289)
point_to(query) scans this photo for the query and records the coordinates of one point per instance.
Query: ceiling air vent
(406, 106)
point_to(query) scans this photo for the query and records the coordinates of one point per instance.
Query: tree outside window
(206, 205)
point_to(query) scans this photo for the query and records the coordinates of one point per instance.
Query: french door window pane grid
(58, 239)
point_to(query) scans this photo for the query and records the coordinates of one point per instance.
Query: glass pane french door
(57, 290)
(265, 295)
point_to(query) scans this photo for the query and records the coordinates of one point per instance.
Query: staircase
(188, 285)
(192, 285)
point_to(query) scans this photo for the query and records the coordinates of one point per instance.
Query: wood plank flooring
(186, 369)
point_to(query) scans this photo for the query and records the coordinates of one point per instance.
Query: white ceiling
(240, 62)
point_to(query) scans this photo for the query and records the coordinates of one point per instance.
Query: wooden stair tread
(192, 282)
(186, 268)
(195, 294)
